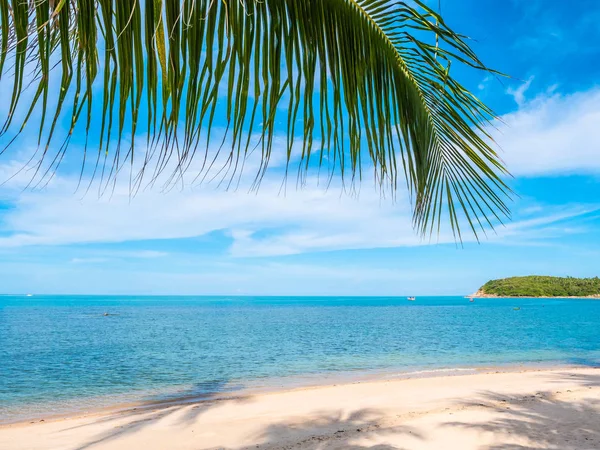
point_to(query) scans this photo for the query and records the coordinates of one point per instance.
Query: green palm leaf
(363, 83)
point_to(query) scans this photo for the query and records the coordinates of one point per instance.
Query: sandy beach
(527, 409)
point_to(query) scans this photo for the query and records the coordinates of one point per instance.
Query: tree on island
(355, 84)
(542, 286)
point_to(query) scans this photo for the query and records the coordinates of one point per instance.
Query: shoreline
(514, 408)
(291, 384)
(476, 295)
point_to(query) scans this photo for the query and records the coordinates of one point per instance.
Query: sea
(69, 354)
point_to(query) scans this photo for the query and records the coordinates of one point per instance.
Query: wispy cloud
(549, 134)
(106, 256)
(552, 134)
(89, 260)
(519, 93)
(266, 223)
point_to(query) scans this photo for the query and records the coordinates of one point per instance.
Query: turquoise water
(60, 353)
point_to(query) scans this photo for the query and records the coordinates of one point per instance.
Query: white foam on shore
(449, 369)
(432, 373)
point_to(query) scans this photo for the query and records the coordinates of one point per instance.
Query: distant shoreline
(478, 295)
(540, 286)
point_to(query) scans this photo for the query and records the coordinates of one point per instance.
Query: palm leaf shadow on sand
(360, 430)
(329, 430)
(185, 409)
(549, 420)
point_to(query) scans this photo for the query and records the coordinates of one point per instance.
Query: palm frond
(360, 83)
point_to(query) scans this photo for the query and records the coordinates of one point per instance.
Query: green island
(541, 286)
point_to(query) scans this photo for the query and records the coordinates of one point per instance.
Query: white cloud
(552, 134)
(519, 93)
(89, 260)
(105, 256)
(484, 82)
(265, 223)
(313, 218)
(144, 254)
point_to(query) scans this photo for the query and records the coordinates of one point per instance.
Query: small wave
(457, 369)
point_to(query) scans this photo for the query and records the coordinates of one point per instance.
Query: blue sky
(316, 242)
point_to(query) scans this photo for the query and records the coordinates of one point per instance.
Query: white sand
(527, 410)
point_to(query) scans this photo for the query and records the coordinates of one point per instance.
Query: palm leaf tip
(368, 82)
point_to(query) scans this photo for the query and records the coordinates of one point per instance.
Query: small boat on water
(518, 308)
(471, 300)
(411, 299)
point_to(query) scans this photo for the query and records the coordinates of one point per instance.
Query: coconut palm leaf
(360, 83)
